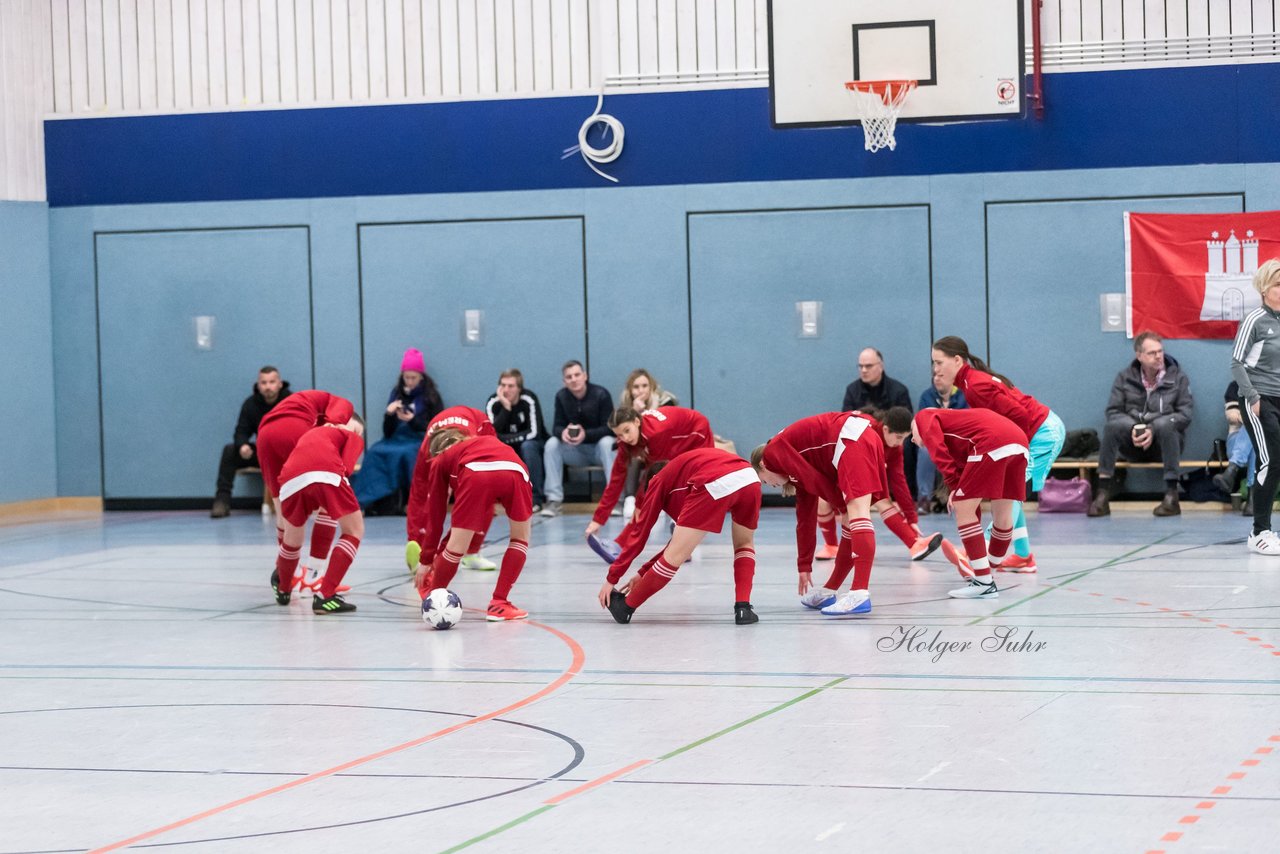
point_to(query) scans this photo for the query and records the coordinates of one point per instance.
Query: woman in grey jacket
(1255, 366)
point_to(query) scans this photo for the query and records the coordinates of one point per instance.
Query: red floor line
(599, 781)
(575, 667)
(1174, 835)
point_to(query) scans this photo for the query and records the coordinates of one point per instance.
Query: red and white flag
(1191, 275)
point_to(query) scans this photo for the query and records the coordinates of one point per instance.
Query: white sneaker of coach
(1265, 543)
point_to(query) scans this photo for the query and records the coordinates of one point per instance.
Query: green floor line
(679, 750)
(1069, 580)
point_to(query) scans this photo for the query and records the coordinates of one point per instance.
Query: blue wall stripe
(1149, 117)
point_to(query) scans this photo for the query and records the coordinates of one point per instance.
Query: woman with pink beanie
(388, 465)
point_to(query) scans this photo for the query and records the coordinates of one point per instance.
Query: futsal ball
(442, 609)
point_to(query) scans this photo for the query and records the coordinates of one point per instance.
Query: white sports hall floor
(154, 696)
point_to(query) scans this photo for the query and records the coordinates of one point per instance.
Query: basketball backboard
(966, 56)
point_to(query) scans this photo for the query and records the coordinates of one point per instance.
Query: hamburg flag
(1191, 275)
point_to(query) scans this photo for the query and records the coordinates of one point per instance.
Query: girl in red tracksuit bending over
(653, 436)
(316, 479)
(479, 471)
(278, 433)
(418, 553)
(839, 457)
(697, 489)
(980, 454)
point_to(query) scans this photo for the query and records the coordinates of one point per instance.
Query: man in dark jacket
(242, 453)
(874, 389)
(517, 419)
(1147, 419)
(580, 434)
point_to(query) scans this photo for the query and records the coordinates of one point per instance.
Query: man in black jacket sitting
(241, 453)
(517, 419)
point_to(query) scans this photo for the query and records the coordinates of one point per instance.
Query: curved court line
(528, 783)
(552, 803)
(574, 668)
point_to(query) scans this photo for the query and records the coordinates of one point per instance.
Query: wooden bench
(1087, 466)
(267, 506)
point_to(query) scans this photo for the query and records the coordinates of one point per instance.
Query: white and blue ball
(442, 609)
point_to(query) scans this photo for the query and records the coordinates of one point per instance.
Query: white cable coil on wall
(610, 151)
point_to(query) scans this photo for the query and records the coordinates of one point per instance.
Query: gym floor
(155, 696)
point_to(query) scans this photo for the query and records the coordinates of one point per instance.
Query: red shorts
(478, 491)
(703, 512)
(861, 471)
(337, 501)
(988, 478)
(276, 441)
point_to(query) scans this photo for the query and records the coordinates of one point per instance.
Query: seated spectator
(940, 395)
(580, 433)
(1147, 419)
(641, 393)
(874, 389)
(1241, 460)
(388, 465)
(517, 420)
(242, 453)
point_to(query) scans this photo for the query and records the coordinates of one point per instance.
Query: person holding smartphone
(1147, 419)
(580, 434)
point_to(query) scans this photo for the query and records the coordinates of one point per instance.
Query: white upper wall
(128, 57)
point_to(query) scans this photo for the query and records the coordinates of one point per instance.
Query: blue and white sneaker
(849, 604)
(818, 597)
(606, 548)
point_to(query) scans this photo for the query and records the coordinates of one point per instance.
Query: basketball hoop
(878, 103)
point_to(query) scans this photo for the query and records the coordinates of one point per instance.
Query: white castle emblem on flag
(1228, 286)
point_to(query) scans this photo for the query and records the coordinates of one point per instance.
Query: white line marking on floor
(822, 837)
(935, 770)
(1234, 588)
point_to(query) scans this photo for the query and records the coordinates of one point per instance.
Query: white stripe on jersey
(498, 465)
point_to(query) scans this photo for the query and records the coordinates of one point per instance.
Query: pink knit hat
(413, 361)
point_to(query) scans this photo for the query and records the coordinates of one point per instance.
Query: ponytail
(952, 345)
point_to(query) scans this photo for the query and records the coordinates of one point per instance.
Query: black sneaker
(743, 615)
(282, 596)
(335, 604)
(619, 608)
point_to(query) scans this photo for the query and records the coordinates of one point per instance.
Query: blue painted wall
(698, 283)
(386, 222)
(28, 463)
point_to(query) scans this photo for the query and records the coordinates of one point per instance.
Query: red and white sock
(896, 522)
(862, 539)
(744, 570)
(826, 524)
(843, 564)
(444, 567)
(658, 577)
(343, 554)
(512, 564)
(975, 547)
(999, 545)
(323, 530)
(287, 565)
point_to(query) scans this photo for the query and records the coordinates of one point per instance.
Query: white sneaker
(628, 507)
(976, 589)
(477, 561)
(551, 509)
(850, 603)
(818, 597)
(1265, 543)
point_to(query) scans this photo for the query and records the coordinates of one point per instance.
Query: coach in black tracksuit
(1255, 366)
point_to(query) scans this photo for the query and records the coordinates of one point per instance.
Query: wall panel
(167, 406)
(416, 279)
(869, 266)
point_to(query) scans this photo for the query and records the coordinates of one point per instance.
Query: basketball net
(877, 104)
